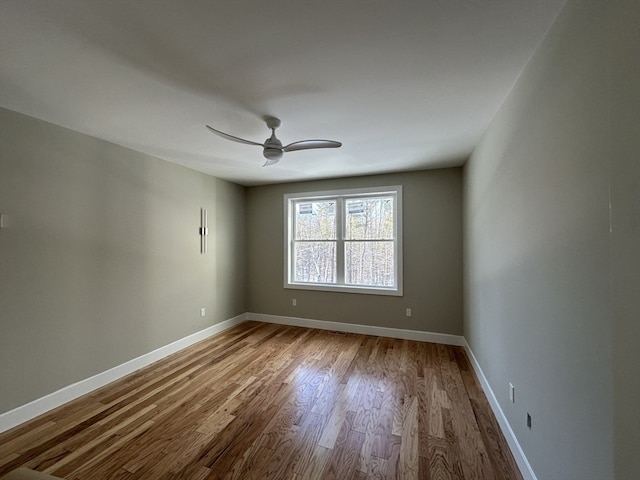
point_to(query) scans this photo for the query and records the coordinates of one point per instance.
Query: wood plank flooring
(263, 401)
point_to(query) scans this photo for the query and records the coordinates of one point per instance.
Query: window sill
(345, 289)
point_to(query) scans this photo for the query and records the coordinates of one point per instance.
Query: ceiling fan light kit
(272, 147)
(273, 155)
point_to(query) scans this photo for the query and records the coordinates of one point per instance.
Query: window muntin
(345, 240)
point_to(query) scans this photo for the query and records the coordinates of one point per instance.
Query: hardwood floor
(263, 401)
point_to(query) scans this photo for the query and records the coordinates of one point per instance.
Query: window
(347, 240)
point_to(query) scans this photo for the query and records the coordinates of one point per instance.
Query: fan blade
(309, 144)
(271, 161)
(232, 138)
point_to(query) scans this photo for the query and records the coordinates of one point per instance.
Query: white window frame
(340, 195)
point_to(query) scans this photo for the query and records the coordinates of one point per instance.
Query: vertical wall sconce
(204, 230)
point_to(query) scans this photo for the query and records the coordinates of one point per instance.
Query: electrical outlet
(294, 302)
(528, 421)
(203, 312)
(408, 312)
(512, 393)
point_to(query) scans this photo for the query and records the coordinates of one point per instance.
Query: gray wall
(624, 115)
(551, 296)
(100, 262)
(432, 203)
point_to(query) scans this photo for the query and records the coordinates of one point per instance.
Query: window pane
(369, 218)
(315, 262)
(315, 220)
(369, 263)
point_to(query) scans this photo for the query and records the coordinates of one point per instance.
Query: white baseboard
(41, 405)
(516, 450)
(359, 328)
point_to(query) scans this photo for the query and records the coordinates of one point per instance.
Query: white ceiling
(404, 85)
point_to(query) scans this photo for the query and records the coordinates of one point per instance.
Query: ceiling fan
(272, 147)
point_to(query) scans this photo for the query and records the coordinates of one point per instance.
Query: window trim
(291, 198)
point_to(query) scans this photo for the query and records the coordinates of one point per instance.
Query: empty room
(319, 240)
